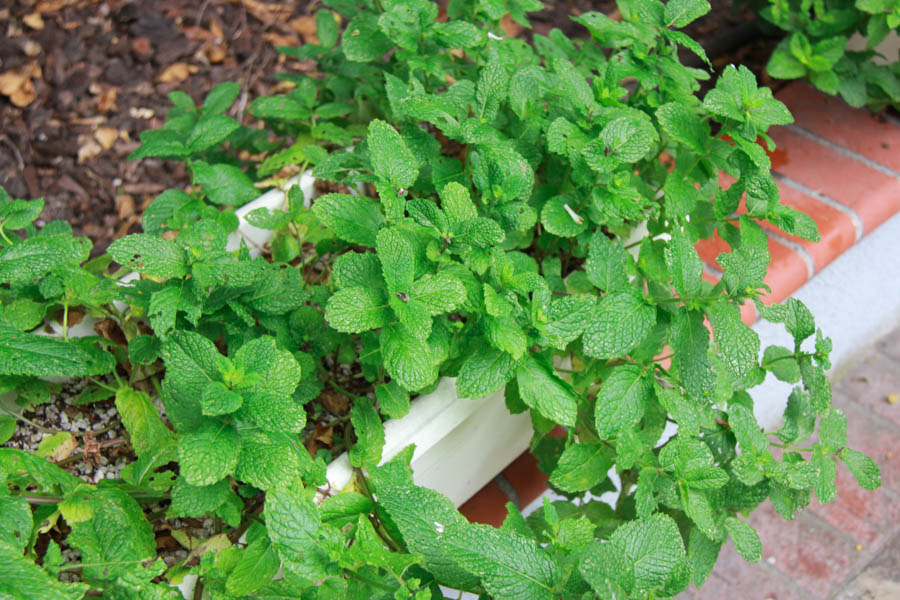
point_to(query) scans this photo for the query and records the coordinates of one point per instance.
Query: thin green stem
(790, 447)
(26, 420)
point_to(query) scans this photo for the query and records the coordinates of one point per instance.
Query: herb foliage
(481, 190)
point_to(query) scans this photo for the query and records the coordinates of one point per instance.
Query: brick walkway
(848, 549)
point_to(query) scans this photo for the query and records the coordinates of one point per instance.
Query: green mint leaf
(272, 376)
(16, 526)
(34, 257)
(197, 501)
(863, 468)
(357, 269)
(150, 255)
(293, 523)
(115, 538)
(573, 85)
(833, 430)
(438, 294)
(491, 91)
(622, 400)
(24, 353)
(653, 546)
(141, 419)
(279, 107)
(823, 461)
(679, 13)
(21, 579)
(18, 214)
(363, 41)
(208, 453)
(210, 131)
(684, 126)
(797, 318)
(326, 28)
(506, 334)
(354, 219)
(745, 539)
(161, 143)
(256, 566)
(626, 140)
(559, 217)
(749, 434)
(191, 364)
(684, 264)
(268, 459)
(607, 569)
(621, 321)
(484, 372)
(581, 467)
(407, 359)
(690, 341)
(698, 509)
(393, 400)
(457, 204)
(457, 34)
(218, 400)
(264, 218)
(480, 232)
(369, 434)
(398, 259)
(357, 309)
(225, 185)
(738, 344)
(702, 553)
(543, 390)
(391, 159)
(422, 515)
(782, 363)
(221, 97)
(607, 263)
(567, 317)
(645, 493)
(707, 477)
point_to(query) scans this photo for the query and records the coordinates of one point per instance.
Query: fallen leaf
(51, 6)
(107, 101)
(510, 27)
(306, 27)
(17, 85)
(211, 53)
(87, 148)
(216, 30)
(893, 398)
(34, 20)
(125, 206)
(176, 73)
(267, 12)
(278, 39)
(107, 136)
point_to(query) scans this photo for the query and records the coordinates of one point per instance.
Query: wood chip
(87, 148)
(34, 20)
(306, 27)
(18, 86)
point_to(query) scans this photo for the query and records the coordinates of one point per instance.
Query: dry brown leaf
(306, 27)
(267, 12)
(216, 30)
(107, 136)
(176, 73)
(107, 101)
(51, 6)
(211, 53)
(65, 448)
(17, 85)
(510, 27)
(34, 20)
(278, 39)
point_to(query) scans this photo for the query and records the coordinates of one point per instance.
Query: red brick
(523, 474)
(871, 383)
(488, 505)
(787, 270)
(733, 577)
(871, 518)
(874, 438)
(873, 195)
(836, 230)
(804, 550)
(873, 137)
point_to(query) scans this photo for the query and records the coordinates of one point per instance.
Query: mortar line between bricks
(846, 151)
(855, 572)
(807, 259)
(854, 217)
(836, 531)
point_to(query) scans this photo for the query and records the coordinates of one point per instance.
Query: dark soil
(89, 75)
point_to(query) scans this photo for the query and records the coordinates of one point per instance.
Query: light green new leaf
(225, 185)
(684, 264)
(629, 139)
(863, 468)
(268, 459)
(737, 343)
(681, 12)
(622, 400)
(543, 390)
(208, 453)
(141, 419)
(354, 219)
(745, 539)
(256, 566)
(393, 400)
(621, 321)
(690, 341)
(391, 158)
(217, 400)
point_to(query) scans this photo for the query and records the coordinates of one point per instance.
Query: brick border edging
(838, 164)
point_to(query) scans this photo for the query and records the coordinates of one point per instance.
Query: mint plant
(816, 48)
(474, 197)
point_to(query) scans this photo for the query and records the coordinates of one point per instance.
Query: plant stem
(26, 420)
